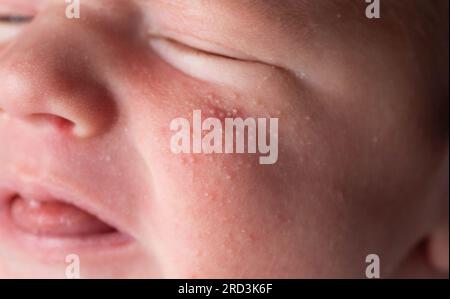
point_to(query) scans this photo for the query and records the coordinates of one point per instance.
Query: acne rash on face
(235, 128)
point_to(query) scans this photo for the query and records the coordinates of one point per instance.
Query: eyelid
(16, 13)
(15, 7)
(196, 42)
(215, 68)
(203, 49)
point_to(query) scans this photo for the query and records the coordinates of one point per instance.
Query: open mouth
(55, 218)
(52, 224)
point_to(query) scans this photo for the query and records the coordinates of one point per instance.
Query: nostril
(54, 121)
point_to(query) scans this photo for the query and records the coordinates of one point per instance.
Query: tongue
(55, 218)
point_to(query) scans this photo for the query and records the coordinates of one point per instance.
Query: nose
(47, 77)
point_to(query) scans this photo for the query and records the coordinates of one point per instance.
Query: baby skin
(87, 170)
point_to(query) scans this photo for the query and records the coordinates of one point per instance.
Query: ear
(429, 258)
(437, 248)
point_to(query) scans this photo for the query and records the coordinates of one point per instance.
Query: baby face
(87, 168)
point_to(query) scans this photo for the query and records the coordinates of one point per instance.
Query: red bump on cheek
(213, 179)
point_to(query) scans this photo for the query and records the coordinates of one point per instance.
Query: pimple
(192, 159)
(199, 253)
(256, 102)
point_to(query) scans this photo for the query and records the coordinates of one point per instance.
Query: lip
(50, 247)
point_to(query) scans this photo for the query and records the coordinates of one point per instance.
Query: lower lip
(57, 247)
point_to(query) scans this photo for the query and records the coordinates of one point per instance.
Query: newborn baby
(89, 105)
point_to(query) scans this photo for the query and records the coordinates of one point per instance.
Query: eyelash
(17, 19)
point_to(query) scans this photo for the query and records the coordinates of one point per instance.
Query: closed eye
(211, 66)
(15, 19)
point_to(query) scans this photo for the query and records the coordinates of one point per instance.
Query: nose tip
(44, 95)
(51, 78)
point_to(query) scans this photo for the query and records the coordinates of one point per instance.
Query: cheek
(211, 205)
(205, 208)
(213, 215)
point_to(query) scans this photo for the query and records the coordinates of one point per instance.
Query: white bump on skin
(34, 203)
